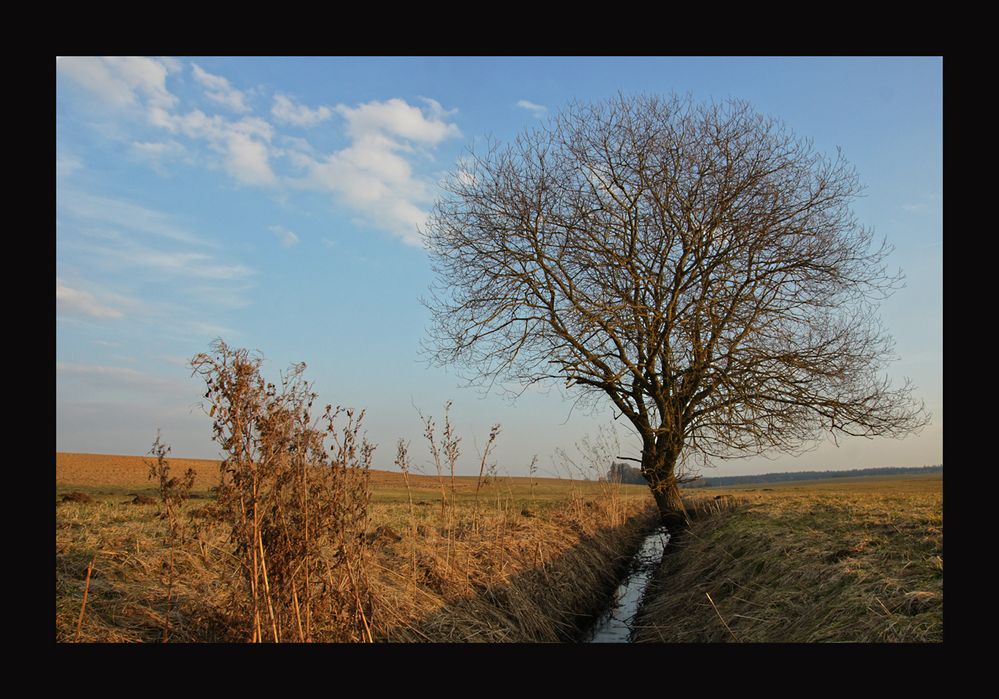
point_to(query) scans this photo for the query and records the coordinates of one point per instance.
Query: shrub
(295, 492)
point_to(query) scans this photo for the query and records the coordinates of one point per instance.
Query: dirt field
(106, 475)
(110, 470)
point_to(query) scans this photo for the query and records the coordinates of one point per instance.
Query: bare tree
(697, 264)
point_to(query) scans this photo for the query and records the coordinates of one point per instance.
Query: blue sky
(274, 202)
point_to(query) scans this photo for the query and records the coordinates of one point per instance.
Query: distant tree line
(806, 475)
(622, 473)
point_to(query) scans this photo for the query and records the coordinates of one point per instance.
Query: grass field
(838, 560)
(531, 559)
(525, 560)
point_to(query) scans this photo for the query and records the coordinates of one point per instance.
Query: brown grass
(504, 577)
(483, 573)
(858, 561)
(841, 560)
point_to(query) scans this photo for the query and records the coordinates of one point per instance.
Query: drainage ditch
(614, 624)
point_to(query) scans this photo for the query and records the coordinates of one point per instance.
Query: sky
(275, 203)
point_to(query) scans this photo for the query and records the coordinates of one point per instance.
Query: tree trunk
(658, 469)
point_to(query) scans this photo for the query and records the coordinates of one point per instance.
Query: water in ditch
(614, 625)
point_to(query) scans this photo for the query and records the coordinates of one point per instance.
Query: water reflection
(614, 625)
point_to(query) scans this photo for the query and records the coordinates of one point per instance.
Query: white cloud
(285, 236)
(219, 90)
(174, 281)
(247, 160)
(374, 175)
(395, 117)
(122, 81)
(466, 171)
(288, 111)
(211, 330)
(76, 301)
(243, 144)
(140, 83)
(143, 247)
(96, 370)
(436, 110)
(295, 145)
(172, 64)
(538, 110)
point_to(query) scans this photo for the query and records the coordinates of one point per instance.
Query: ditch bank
(559, 584)
(800, 568)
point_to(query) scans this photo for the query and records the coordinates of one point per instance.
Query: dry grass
(503, 576)
(528, 564)
(796, 562)
(858, 561)
(128, 595)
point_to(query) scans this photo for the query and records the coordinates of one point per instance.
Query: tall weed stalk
(294, 490)
(173, 491)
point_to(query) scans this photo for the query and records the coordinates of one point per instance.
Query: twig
(357, 598)
(298, 613)
(267, 588)
(86, 589)
(720, 616)
(166, 624)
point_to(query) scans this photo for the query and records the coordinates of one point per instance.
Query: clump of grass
(804, 565)
(77, 496)
(296, 508)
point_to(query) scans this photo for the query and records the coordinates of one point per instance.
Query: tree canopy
(698, 265)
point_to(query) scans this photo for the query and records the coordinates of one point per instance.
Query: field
(854, 560)
(523, 560)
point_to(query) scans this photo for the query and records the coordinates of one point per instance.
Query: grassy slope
(860, 560)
